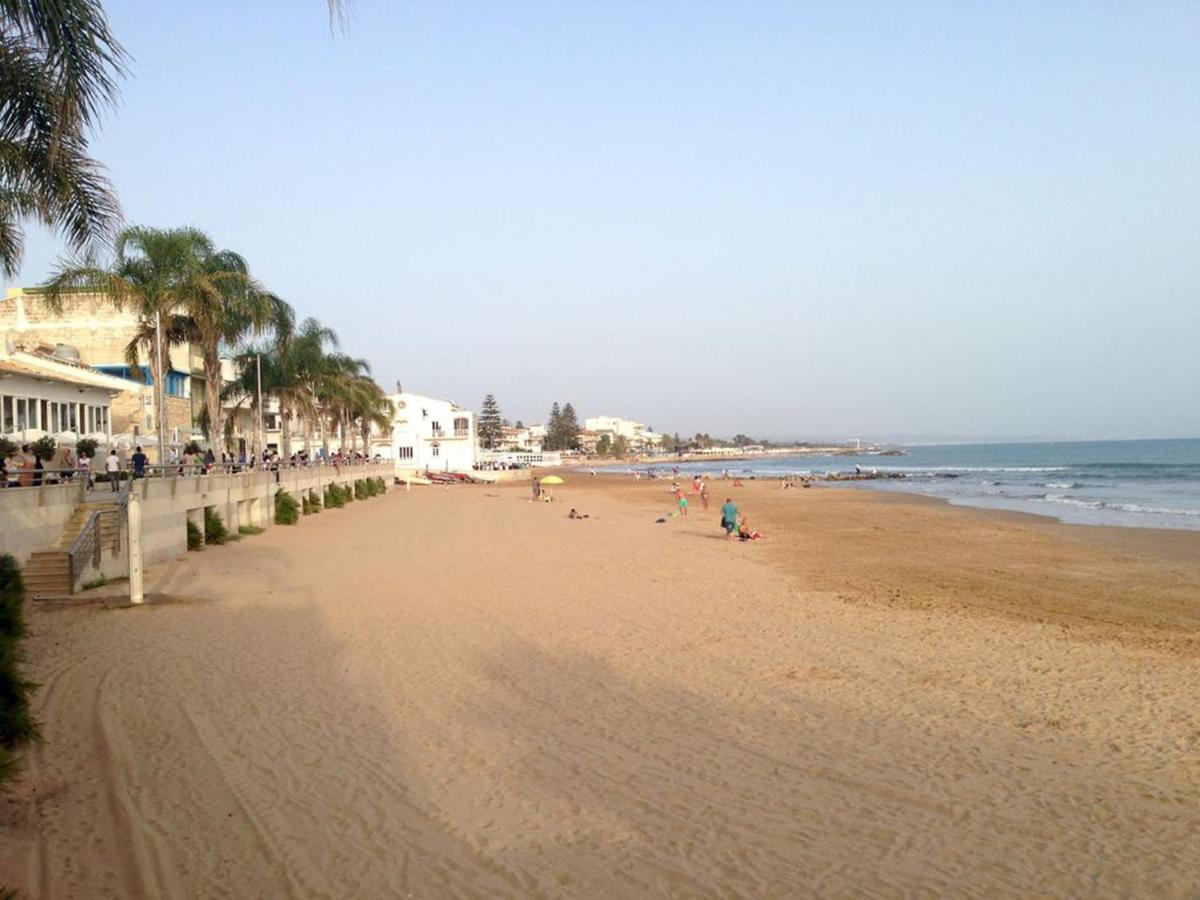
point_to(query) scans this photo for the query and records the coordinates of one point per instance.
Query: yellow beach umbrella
(552, 479)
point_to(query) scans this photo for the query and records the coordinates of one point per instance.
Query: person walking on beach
(112, 465)
(729, 518)
(704, 494)
(537, 488)
(682, 505)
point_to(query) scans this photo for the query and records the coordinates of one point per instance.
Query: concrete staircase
(48, 572)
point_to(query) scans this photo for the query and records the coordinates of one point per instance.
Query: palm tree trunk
(160, 390)
(285, 428)
(212, 398)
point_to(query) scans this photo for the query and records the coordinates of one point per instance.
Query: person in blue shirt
(729, 517)
(139, 463)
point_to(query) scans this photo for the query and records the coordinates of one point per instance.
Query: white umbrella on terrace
(67, 438)
(29, 435)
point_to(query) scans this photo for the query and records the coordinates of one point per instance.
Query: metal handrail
(87, 541)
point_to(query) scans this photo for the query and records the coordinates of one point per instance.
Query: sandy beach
(460, 693)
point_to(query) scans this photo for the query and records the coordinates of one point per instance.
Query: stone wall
(89, 323)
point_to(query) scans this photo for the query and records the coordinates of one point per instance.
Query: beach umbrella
(551, 479)
(32, 434)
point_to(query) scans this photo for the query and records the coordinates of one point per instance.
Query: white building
(428, 433)
(42, 395)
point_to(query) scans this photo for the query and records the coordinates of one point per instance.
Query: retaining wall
(32, 519)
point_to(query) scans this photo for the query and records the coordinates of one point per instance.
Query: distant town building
(527, 438)
(636, 435)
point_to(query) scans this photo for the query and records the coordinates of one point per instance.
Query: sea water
(1149, 484)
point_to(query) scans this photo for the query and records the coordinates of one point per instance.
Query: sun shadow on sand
(573, 778)
(364, 740)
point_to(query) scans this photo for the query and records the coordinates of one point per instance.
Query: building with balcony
(428, 433)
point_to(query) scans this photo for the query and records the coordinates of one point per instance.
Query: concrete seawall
(33, 519)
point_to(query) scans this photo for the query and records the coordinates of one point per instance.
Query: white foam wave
(965, 470)
(1122, 507)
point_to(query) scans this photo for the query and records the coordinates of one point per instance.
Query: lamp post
(262, 434)
(160, 392)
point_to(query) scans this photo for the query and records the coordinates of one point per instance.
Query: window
(437, 449)
(54, 429)
(404, 453)
(461, 427)
(22, 414)
(437, 428)
(9, 424)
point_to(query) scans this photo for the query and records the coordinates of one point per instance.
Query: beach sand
(458, 692)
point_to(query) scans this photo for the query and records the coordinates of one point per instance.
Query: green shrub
(360, 490)
(214, 529)
(250, 529)
(334, 498)
(287, 510)
(86, 447)
(44, 447)
(94, 583)
(195, 538)
(7, 448)
(12, 599)
(17, 725)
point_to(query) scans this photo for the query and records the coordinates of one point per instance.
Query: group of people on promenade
(24, 468)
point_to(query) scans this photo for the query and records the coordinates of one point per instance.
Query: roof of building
(33, 365)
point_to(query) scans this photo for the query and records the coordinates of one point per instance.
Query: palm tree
(59, 65)
(154, 271)
(371, 408)
(291, 363)
(225, 307)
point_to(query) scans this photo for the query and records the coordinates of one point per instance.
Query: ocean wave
(1074, 501)
(1121, 507)
(1155, 510)
(1060, 485)
(968, 470)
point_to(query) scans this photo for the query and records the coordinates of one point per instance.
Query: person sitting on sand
(746, 534)
(576, 515)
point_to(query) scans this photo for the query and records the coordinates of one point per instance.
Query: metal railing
(26, 477)
(88, 544)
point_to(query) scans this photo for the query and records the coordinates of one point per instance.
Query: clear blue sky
(784, 219)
